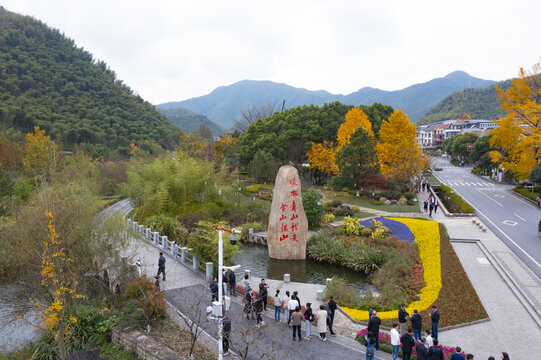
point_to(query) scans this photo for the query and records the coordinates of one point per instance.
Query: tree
(61, 289)
(358, 158)
(204, 132)
(314, 211)
(10, 153)
(535, 174)
(192, 145)
(39, 152)
(462, 143)
(354, 119)
(398, 152)
(518, 135)
(253, 113)
(322, 157)
(225, 149)
(263, 167)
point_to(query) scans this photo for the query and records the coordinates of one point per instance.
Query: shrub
(314, 212)
(352, 226)
(526, 192)
(327, 218)
(476, 171)
(336, 203)
(190, 221)
(150, 300)
(409, 196)
(169, 227)
(345, 294)
(327, 206)
(355, 209)
(343, 212)
(453, 202)
(382, 199)
(366, 232)
(403, 200)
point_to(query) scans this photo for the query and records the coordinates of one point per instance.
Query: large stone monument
(288, 227)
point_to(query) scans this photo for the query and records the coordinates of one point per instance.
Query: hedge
(453, 202)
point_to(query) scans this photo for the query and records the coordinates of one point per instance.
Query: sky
(175, 50)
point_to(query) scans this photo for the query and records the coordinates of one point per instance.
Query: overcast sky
(174, 50)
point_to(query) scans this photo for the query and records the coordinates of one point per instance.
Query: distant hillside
(46, 80)
(225, 103)
(189, 122)
(478, 103)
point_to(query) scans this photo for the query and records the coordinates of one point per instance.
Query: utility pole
(220, 228)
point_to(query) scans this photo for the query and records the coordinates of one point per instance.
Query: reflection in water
(255, 257)
(13, 332)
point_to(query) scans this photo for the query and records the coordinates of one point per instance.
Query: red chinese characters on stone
(283, 207)
(294, 216)
(295, 227)
(293, 193)
(294, 206)
(284, 228)
(283, 237)
(294, 237)
(283, 217)
(293, 183)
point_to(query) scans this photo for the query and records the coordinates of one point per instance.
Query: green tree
(461, 144)
(314, 211)
(263, 167)
(535, 174)
(358, 158)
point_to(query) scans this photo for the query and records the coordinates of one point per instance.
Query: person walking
(469, 357)
(296, 321)
(327, 308)
(421, 350)
(263, 292)
(371, 312)
(435, 352)
(332, 307)
(457, 355)
(505, 356)
(370, 342)
(423, 185)
(416, 324)
(226, 322)
(214, 289)
(322, 322)
(425, 206)
(373, 327)
(395, 341)
(430, 208)
(161, 266)
(277, 306)
(435, 318)
(308, 318)
(285, 305)
(232, 283)
(174, 250)
(296, 294)
(407, 344)
(402, 319)
(429, 338)
(435, 202)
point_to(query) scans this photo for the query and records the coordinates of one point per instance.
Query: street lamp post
(220, 228)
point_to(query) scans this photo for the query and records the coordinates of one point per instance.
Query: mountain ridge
(225, 103)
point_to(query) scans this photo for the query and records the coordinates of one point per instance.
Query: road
(512, 218)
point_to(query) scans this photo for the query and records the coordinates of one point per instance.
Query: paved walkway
(511, 327)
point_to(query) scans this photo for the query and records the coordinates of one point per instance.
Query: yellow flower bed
(427, 237)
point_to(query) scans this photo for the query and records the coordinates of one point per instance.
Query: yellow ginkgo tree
(399, 155)
(518, 135)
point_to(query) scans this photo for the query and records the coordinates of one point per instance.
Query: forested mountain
(478, 103)
(46, 80)
(189, 122)
(225, 103)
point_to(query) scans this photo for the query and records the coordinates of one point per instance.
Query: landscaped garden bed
(446, 281)
(376, 202)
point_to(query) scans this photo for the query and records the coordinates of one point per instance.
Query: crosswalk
(469, 183)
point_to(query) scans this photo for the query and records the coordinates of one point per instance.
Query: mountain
(478, 103)
(225, 103)
(189, 122)
(46, 80)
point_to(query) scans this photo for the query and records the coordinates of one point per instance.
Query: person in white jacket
(322, 323)
(395, 340)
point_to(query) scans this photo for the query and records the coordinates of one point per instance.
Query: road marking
(480, 192)
(520, 217)
(509, 222)
(517, 197)
(504, 234)
(483, 261)
(499, 196)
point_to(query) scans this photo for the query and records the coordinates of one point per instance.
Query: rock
(394, 201)
(288, 227)
(387, 202)
(345, 207)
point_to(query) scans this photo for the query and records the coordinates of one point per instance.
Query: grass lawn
(457, 302)
(359, 214)
(362, 201)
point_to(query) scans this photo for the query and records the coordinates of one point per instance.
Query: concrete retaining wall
(142, 346)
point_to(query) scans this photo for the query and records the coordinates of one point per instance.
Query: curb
(507, 278)
(444, 209)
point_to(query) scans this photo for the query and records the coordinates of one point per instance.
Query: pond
(255, 257)
(13, 332)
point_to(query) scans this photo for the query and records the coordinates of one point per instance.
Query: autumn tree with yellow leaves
(60, 287)
(322, 157)
(518, 135)
(399, 155)
(39, 152)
